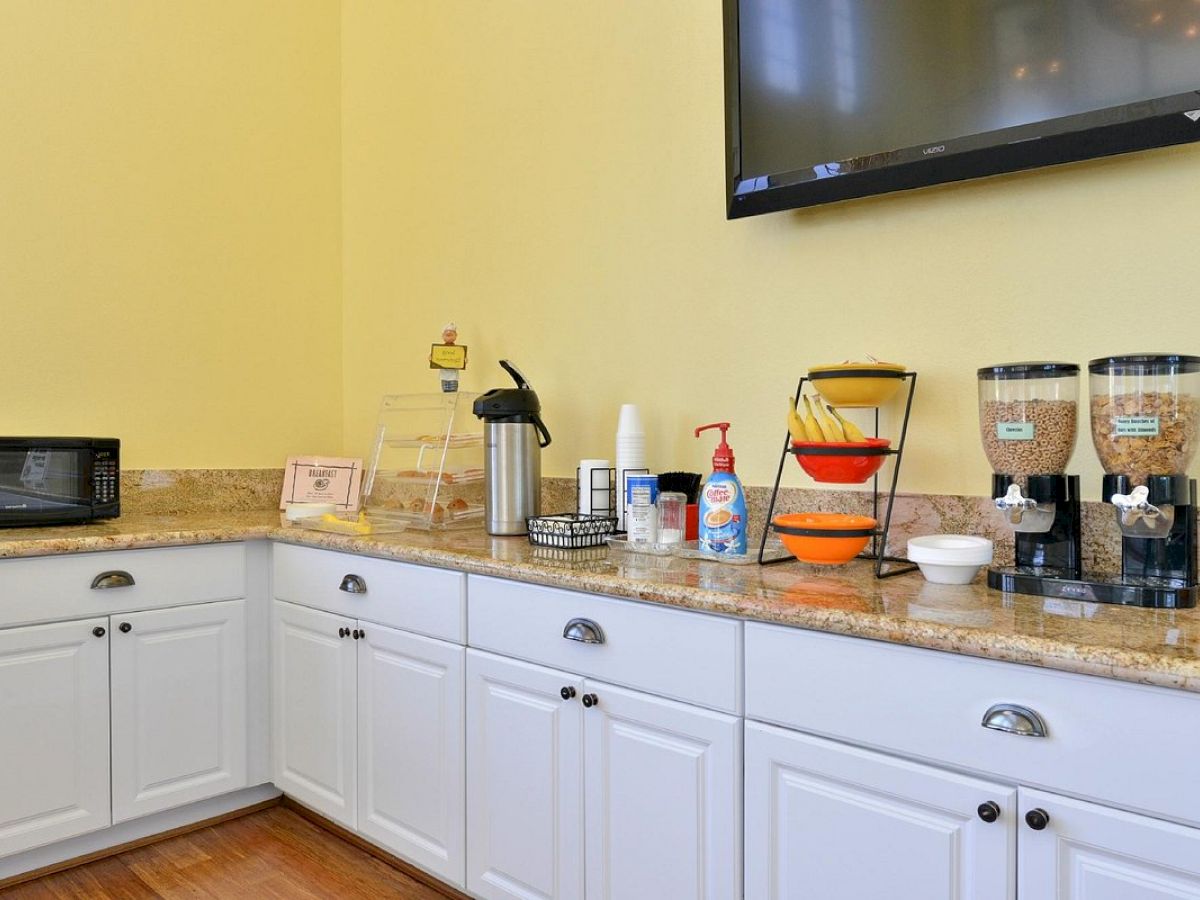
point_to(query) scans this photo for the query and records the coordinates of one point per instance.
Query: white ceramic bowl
(950, 558)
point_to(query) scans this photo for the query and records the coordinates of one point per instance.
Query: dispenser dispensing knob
(1014, 503)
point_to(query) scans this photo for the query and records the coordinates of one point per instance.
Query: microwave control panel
(104, 478)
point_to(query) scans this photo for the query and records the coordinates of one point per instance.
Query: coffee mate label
(722, 525)
(1015, 431)
(1136, 426)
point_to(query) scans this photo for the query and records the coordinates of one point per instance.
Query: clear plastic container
(1145, 412)
(426, 469)
(1028, 417)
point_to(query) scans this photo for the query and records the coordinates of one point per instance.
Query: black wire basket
(570, 531)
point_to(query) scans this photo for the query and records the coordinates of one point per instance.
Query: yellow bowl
(857, 384)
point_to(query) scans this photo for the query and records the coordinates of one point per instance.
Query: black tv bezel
(1123, 129)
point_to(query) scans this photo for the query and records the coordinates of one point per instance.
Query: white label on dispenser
(1136, 426)
(1014, 431)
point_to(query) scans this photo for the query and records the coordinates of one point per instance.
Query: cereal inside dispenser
(1144, 426)
(1028, 421)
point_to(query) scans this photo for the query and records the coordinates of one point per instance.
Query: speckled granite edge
(1119, 663)
(850, 602)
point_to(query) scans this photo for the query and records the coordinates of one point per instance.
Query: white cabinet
(830, 820)
(1088, 852)
(54, 774)
(411, 795)
(524, 787)
(561, 768)
(662, 794)
(314, 709)
(367, 726)
(178, 706)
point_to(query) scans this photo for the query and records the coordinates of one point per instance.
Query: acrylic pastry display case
(426, 463)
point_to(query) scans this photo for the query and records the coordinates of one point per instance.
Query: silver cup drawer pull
(114, 579)
(585, 631)
(353, 584)
(1013, 719)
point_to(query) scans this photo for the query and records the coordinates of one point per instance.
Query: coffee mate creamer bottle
(722, 502)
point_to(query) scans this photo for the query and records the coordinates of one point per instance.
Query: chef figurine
(449, 358)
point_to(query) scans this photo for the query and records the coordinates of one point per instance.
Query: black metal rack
(879, 537)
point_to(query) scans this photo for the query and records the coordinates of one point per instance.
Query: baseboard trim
(366, 846)
(116, 849)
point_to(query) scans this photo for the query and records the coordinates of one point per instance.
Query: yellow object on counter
(343, 526)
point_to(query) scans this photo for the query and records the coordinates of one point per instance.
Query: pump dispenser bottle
(722, 502)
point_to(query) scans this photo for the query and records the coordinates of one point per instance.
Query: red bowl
(847, 466)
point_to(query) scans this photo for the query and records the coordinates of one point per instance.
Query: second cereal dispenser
(1145, 412)
(1028, 419)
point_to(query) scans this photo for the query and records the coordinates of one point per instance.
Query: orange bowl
(825, 539)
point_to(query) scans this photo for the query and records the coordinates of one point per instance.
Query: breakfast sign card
(322, 479)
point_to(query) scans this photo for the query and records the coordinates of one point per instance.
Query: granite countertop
(1160, 647)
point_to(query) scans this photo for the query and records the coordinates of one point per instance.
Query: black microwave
(56, 481)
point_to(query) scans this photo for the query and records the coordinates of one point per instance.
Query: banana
(853, 432)
(810, 423)
(829, 425)
(795, 423)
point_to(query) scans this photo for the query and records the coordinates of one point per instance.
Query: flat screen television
(832, 99)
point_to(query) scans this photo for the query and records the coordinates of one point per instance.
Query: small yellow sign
(447, 356)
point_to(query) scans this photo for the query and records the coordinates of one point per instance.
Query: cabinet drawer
(414, 598)
(49, 588)
(1124, 744)
(685, 655)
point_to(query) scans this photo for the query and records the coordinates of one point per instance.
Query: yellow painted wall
(170, 206)
(550, 175)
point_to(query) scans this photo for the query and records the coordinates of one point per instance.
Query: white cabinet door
(314, 709)
(411, 797)
(54, 776)
(178, 706)
(524, 791)
(662, 791)
(1088, 852)
(830, 820)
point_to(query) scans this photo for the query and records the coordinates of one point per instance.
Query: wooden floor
(269, 854)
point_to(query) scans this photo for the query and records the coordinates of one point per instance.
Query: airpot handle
(521, 380)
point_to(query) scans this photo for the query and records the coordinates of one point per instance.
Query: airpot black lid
(1144, 364)
(515, 404)
(1023, 370)
(508, 403)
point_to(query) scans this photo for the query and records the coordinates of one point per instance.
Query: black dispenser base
(1049, 562)
(1148, 593)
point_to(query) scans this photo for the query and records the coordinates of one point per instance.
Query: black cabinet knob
(1037, 819)
(567, 693)
(343, 632)
(125, 628)
(590, 700)
(989, 811)
(359, 633)
(98, 631)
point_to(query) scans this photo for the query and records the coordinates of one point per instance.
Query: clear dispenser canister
(1144, 414)
(1028, 417)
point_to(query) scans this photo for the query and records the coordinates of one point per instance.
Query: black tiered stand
(878, 549)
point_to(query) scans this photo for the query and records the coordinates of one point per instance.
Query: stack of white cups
(631, 453)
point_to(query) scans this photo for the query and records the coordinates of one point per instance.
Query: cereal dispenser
(1144, 426)
(1028, 414)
